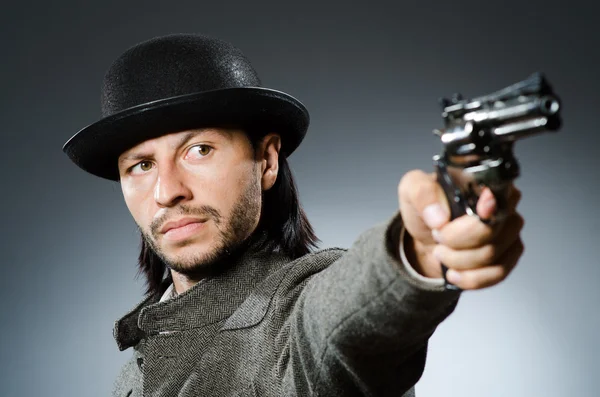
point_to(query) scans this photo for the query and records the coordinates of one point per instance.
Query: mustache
(204, 211)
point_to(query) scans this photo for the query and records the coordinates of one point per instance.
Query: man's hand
(477, 255)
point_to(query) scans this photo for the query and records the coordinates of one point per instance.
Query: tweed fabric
(334, 322)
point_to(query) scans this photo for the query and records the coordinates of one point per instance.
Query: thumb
(423, 205)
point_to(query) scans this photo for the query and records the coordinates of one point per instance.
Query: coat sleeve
(363, 323)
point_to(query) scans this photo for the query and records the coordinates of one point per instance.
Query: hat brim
(97, 147)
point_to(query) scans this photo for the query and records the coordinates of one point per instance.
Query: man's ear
(269, 159)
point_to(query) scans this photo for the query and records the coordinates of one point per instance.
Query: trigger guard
(459, 205)
(490, 222)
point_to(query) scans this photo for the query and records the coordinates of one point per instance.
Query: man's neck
(181, 282)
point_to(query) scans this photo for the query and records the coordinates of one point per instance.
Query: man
(238, 303)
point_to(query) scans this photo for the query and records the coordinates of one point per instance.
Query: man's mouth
(182, 228)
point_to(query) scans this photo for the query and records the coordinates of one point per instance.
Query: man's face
(195, 195)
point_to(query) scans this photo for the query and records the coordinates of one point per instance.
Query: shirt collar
(170, 293)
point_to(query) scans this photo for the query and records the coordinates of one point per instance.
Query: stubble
(232, 233)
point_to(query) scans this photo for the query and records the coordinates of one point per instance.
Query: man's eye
(199, 151)
(142, 166)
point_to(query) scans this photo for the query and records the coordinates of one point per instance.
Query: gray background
(370, 73)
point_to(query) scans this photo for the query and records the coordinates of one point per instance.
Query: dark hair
(282, 219)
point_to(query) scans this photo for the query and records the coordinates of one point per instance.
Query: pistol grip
(462, 188)
(456, 201)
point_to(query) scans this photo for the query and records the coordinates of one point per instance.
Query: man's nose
(170, 187)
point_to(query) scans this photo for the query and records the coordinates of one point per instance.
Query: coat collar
(211, 300)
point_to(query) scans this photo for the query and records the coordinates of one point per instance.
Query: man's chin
(185, 247)
(189, 254)
(193, 258)
(201, 262)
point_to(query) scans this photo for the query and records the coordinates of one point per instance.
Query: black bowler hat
(179, 82)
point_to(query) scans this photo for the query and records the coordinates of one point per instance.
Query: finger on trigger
(486, 204)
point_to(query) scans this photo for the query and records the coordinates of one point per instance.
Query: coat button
(140, 363)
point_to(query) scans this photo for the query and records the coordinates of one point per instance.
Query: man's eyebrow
(194, 133)
(182, 141)
(188, 136)
(133, 156)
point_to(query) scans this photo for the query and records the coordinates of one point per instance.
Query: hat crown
(171, 66)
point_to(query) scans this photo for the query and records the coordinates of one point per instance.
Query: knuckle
(424, 189)
(467, 280)
(513, 200)
(478, 232)
(423, 193)
(486, 234)
(517, 194)
(488, 253)
(520, 246)
(495, 275)
(502, 272)
(414, 175)
(517, 221)
(471, 281)
(410, 178)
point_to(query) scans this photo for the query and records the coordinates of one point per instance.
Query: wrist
(419, 256)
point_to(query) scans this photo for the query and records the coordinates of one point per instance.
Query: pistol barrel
(522, 129)
(517, 108)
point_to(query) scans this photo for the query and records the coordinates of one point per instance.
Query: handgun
(478, 140)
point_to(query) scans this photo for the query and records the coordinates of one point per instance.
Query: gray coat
(331, 323)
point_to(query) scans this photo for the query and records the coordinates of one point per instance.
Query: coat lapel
(210, 301)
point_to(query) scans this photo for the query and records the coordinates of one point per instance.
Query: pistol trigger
(472, 197)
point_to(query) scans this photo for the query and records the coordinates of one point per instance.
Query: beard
(232, 235)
